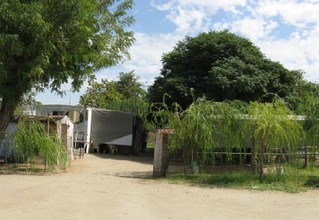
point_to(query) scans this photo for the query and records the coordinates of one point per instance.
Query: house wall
(62, 127)
(7, 144)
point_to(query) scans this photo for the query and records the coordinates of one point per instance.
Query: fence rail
(304, 156)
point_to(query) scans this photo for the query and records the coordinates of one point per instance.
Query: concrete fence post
(160, 163)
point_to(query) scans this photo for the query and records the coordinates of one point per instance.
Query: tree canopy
(45, 43)
(221, 66)
(103, 94)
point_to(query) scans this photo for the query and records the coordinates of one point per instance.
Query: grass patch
(292, 180)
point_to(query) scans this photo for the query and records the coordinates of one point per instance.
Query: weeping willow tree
(309, 108)
(206, 127)
(32, 142)
(273, 126)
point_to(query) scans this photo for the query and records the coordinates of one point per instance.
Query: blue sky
(286, 31)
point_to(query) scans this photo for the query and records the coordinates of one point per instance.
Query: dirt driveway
(108, 187)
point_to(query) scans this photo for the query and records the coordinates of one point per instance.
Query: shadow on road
(143, 158)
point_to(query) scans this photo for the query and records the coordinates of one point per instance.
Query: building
(101, 130)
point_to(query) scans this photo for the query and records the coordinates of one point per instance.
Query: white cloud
(298, 52)
(254, 28)
(146, 55)
(210, 5)
(188, 20)
(192, 16)
(296, 13)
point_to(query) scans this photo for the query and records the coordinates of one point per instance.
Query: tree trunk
(261, 164)
(261, 168)
(6, 112)
(306, 157)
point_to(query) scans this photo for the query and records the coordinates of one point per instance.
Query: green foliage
(135, 105)
(125, 92)
(129, 86)
(44, 44)
(100, 94)
(32, 142)
(160, 116)
(221, 66)
(206, 127)
(298, 100)
(309, 109)
(293, 180)
(273, 127)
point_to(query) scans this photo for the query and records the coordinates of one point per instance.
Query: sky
(286, 31)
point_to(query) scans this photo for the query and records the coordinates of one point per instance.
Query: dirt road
(108, 187)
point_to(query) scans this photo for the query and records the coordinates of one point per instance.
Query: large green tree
(115, 94)
(45, 43)
(221, 66)
(98, 94)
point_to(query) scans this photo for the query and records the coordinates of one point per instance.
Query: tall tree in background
(107, 93)
(44, 43)
(98, 94)
(129, 86)
(220, 66)
(303, 91)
